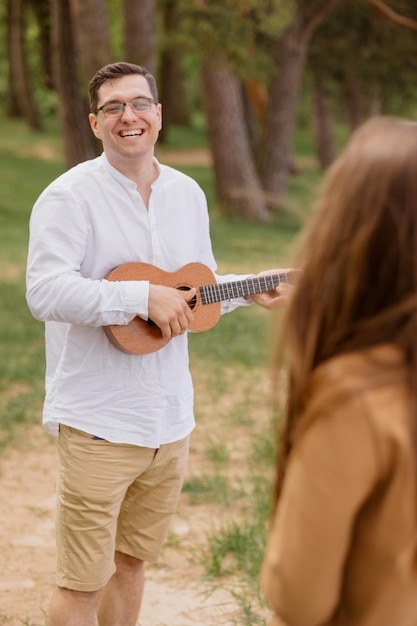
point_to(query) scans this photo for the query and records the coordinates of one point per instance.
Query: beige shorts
(112, 497)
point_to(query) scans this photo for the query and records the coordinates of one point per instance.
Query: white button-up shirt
(87, 222)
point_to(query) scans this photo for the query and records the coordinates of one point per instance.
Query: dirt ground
(174, 594)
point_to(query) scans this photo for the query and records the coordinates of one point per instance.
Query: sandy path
(174, 594)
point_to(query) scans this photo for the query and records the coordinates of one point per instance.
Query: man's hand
(168, 308)
(278, 297)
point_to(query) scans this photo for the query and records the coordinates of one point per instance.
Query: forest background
(240, 68)
(258, 96)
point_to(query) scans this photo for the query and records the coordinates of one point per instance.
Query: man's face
(133, 134)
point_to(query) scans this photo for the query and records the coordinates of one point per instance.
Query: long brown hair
(358, 287)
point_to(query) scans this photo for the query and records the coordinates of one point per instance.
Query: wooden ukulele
(142, 337)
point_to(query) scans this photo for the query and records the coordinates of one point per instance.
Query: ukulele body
(143, 337)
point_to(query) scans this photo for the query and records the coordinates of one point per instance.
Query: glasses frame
(123, 105)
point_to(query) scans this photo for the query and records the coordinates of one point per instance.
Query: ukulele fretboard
(241, 288)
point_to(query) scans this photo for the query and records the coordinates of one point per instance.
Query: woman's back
(341, 547)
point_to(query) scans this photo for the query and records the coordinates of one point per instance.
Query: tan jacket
(341, 548)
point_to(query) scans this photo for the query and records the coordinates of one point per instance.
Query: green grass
(23, 175)
(228, 363)
(182, 138)
(233, 551)
(208, 488)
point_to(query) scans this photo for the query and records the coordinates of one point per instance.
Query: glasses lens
(141, 104)
(113, 110)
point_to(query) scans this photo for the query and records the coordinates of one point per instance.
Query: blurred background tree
(239, 68)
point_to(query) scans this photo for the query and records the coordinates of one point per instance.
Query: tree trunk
(20, 101)
(354, 101)
(237, 183)
(172, 89)
(276, 145)
(92, 35)
(140, 33)
(42, 11)
(289, 54)
(322, 122)
(172, 93)
(78, 138)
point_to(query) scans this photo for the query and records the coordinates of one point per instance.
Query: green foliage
(355, 41)
(358, 47)
(235, 30)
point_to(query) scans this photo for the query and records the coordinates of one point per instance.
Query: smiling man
(123, 420)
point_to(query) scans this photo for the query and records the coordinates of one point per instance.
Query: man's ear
(93, 123)
(159, 114)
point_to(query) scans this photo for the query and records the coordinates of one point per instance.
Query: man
(123, 420)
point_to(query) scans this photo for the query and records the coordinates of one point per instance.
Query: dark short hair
(115, 71)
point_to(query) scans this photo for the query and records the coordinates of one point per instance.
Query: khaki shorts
(112, 497)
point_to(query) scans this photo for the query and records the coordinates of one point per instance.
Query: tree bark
(322, 123)
(392, 15)
(42, 11)
(78, 138)
(238, 187)
(172, 89)
(92, 35)
(276, 145)
(354, 101)
(140, 33)
(20, 101)
(289, 54)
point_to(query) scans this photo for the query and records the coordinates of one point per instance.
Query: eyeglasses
(116, 109)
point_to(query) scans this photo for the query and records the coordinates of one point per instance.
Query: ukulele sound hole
(191, 303)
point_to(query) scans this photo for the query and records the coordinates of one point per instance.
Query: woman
(341, 549)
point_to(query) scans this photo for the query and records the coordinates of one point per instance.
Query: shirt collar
(124, 180)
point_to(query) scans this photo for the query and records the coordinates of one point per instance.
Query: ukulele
(144, 336)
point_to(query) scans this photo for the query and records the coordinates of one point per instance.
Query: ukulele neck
(237, 289)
